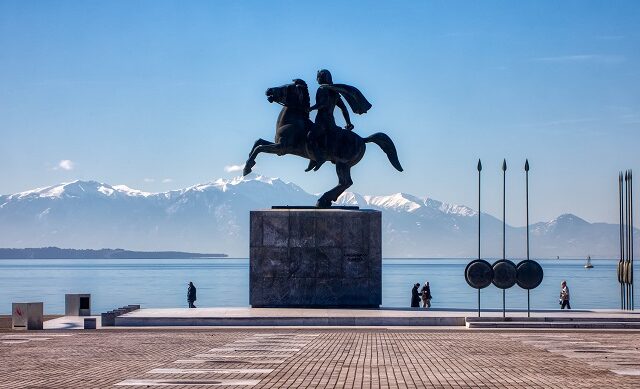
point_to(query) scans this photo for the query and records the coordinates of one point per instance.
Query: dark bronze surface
(529, 274)
(504, 274)
(296, 134)
(478, 274)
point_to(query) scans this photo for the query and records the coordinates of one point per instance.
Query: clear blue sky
(160, 95)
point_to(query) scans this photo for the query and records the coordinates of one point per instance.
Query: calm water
(225, 282)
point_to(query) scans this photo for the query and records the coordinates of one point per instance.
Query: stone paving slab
(326, 358)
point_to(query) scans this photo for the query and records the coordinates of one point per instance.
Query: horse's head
(294, 95)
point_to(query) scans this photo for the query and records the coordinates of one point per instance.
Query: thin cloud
(579, 58)
(167, 180)
(560, 122)
(149, 180)
(233, 168)
(65, 164)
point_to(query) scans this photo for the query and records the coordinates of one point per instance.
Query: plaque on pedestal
(315, 258)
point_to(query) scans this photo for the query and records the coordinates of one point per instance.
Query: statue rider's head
(324, 77)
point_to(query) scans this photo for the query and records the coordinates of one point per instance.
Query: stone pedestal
(27, 316)
(77, 304)
(315, 258)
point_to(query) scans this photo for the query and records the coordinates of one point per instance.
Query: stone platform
(289, 317)
(391, 317)
(315, 258)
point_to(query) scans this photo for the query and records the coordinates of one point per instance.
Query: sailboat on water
(588, 265)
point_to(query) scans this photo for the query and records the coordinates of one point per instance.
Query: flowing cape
(354, 97)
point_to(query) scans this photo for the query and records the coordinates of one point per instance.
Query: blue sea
(221, 282)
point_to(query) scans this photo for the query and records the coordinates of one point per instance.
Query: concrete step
(141, 321)
(554, 319)
(566, 324)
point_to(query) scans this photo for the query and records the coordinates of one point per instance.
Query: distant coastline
(58, 253)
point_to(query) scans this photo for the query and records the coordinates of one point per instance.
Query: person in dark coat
(191, 295)
(426, 295)
(415, 296)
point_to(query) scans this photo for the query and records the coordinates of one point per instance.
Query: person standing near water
(564, 295)
(191, 295)
(415, 296)
(426, 295)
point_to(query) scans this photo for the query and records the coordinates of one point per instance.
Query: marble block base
(315, 258)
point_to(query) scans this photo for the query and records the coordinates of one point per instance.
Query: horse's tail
(386, 144)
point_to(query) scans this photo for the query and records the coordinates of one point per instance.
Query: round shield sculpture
(504, 274)
(621, 277)
(529, 274)
(478, 274)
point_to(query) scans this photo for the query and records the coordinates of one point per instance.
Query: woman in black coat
(191, 295)
(415, 296)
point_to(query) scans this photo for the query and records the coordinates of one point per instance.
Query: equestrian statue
(322, 140)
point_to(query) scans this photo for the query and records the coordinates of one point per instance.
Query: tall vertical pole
(526, 170)
(621, 231)
(626, 231)
(631, 239)
(479, 214)
(504, 230)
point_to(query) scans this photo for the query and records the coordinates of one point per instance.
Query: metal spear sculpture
(530, 273)
(504, 207)
(478, 272)
(504, 228)
(622, 247)
(504, 271)
(625, 265)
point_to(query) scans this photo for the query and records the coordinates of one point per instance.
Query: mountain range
(214, 217)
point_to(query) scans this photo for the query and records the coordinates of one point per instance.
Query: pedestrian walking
(191, 295)
(564, 295)
(415, 296)
(426, 295)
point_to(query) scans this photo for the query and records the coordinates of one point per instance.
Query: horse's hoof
(312, 164)
(247, 168)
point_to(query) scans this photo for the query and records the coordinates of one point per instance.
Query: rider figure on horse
(327, 98)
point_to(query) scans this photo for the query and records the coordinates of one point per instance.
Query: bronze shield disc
(504, 274)
(529, 274)
(478, 274)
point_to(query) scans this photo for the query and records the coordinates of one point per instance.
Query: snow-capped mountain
(214, 217)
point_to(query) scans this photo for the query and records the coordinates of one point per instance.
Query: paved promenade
(319, 357)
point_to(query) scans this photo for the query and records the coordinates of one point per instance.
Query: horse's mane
(305, 99)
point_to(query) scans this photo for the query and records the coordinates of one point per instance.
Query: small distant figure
(426, 295)
(191, 295)
(415, 296)
(564, 295)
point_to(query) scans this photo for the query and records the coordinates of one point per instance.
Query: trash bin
(77, 304)
(27, 316)
(90, 323)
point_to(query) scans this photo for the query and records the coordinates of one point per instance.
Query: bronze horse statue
(343, 148)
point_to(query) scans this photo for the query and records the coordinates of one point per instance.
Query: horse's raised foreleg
(269, 147)
(251, 161)
(259, 142)
(344, 182)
